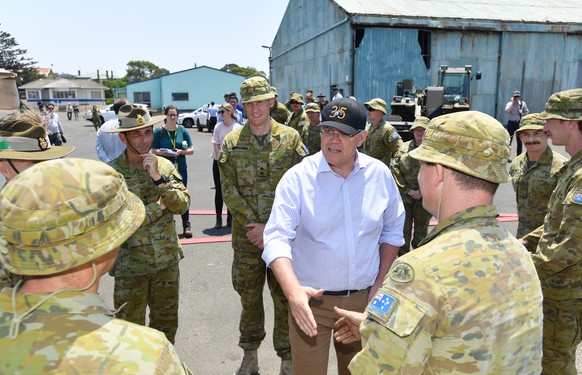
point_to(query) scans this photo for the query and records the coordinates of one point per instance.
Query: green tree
(140, 70)
(113, 84)
(12, 58)
(247, 72)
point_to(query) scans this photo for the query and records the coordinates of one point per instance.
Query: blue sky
(175, 35)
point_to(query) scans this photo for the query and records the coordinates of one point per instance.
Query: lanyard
(173, 141)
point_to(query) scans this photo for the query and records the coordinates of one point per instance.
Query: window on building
(424, 43)
(179, 96)
(142, 97)
(32, 95)
(64, 94)
(96, 95)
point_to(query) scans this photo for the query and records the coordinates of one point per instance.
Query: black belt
(344, 293)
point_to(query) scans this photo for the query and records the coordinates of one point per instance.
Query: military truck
(451, 94)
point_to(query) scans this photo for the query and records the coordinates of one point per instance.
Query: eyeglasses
(294, 102)
(328, 133)
(370, 109)
(221, 111)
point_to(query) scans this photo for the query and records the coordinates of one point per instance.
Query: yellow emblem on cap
(402, 273)
(42, 143)
(140, 120)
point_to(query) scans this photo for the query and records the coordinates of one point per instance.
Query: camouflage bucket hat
(133, 117)
(377, 103)
(312, 107)
(530, 122)
(60, 214)
(22, 138)
(471, 142)
(296, 97)
(255, 89)
(420, 122)
(564, 105)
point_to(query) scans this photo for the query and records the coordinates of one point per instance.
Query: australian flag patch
(381, 305)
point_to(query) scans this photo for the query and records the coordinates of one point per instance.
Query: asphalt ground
(209, 307)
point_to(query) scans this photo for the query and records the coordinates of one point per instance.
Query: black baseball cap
(345, 114)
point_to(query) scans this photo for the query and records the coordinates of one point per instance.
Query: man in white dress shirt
(334, 231)
(108, 145)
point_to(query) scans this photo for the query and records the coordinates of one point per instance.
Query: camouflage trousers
(249, 273)
(418, 217)
(562, 334)
(159, 292)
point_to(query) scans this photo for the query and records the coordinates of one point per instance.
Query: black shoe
(187, 229)
(218, 224)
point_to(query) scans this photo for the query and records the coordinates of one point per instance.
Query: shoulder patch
(394, 136)
(402, 273)
(381, 305)
(577, 197)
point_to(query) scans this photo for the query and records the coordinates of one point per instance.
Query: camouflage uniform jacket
(154, 246)
(405, 169)
(382, 143)
(533, 187)
(467, 301)
(558, 258)
(280, 113)
(250, 172)
(75, 333)
(298, 121)
(311, 137)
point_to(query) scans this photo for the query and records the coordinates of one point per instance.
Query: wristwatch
(162, 180)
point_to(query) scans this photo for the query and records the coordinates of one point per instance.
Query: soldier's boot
(187, 229)
(250, 363)
(286, 367)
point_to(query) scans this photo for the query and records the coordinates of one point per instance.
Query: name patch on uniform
(245, 148)
(402, 273)
(577, 197)
(381, 305)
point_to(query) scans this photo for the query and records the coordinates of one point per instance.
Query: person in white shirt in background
(108, 145)
(228, 124)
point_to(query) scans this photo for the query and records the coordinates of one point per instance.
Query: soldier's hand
(415, 194)
(255, 234)
(347, 327)
(150, 164)
(161, 203)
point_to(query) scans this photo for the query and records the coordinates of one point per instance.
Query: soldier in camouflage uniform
(279, 112)
(534, 174)
(54, 321)
(253, 159)
(23, 143)
(383, 141)
(310, 134)
(558, 258)
(146, 271)
(468, 300)
(405, 170)
(298, 118)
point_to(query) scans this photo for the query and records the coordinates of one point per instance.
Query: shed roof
(47, 83)
(560, 15)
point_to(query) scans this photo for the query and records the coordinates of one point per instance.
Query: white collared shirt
(331, 227)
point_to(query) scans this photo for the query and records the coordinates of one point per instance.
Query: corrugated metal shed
(366, 46)
(559, 12)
